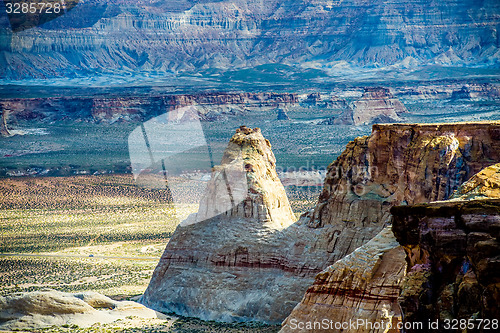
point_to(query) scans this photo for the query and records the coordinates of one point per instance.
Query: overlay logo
(26, 14)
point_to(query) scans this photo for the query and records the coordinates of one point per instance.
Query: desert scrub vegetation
(115, 278)
(302, 198)
(180, 325)
(53, 213)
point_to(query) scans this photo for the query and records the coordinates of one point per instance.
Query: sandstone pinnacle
(245, 184)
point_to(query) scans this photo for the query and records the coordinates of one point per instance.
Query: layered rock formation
(137, 108)
(221, 263)
(158, 37)
(362, 286)
(282, 114)
(377, 105)
(45, 308)
(484, 185)
(451, 90)
(452, 250)
(4, 129)
(404, 164)
(400, 164)
(244, 266)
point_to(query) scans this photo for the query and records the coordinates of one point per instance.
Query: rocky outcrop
(190, 36)
(357, 201)
(362, 290)
(452, 90)
(138, 108)
(282, 114)
(239, 266)
(452, 251)
(227, 262)
(483, 185)
(4, 130)
(377, 105)
(45, 308)
(399, 164)
(344, 118)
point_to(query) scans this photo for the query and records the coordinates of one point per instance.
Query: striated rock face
(377, 105)
(159, 37)
(452, 251)
(484, 185)
(401, 164)
(110, 110)
(247, 264)
(227, 262)
(363, 285)
(398, 164)
(4, 130)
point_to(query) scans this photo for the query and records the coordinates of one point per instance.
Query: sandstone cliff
(452, 249)
(243, 266)
(226, 262)
(362, 286)
(377, 105)
(138, 108)
(110, 36)
(401, 165)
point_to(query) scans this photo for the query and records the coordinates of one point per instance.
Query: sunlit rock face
(377, 105)
(104, 109)
(252, 262)
(399, 164)
(227, 261)
(45, 308)
(364, 286)
(452, 248)
(171, 36)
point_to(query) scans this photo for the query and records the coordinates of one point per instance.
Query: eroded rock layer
(137, 108)
(243, 258)
(227, 262)
(156, 37)
(399, 164)
(453, 252)
(377, 105)
(362, 286)
(410, 158)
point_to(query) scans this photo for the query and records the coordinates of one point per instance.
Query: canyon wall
(377, 105)
(363, 286)
(137, 108)
(399, 164)
(121, 36)
(240, 265)
(452, 249)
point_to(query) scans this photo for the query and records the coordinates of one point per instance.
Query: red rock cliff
(251, 262)
(397, 164)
